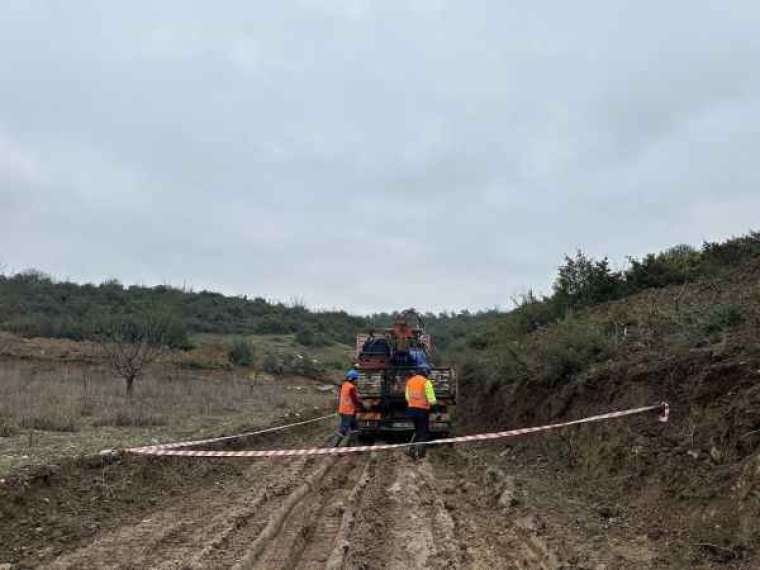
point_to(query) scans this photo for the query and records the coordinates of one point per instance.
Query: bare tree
(130, 344)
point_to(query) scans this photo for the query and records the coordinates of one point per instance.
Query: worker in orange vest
(348, 404)
(420, 399)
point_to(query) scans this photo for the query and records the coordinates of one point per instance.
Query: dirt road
(377, 510)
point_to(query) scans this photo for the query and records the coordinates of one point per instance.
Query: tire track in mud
(487, 535)
(303, 532)
(402, 521)
(192, 531)
(365, 511)
(437, 513)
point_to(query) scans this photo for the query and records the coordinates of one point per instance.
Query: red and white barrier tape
(171, 449)
(231, 437)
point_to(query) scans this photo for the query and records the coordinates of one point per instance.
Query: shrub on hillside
(719, 318)
(584, 281)
(305, 366)
(571, 347)
(271, 364)
(241, 353)
(36, 325)
(477, 341)
(272, 325)
(531, 313)
(731, 252)
(673, 266)
(511, 365)
(306, 336)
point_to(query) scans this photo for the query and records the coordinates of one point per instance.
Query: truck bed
(371, 385)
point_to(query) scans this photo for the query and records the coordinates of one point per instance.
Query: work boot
(335, 440)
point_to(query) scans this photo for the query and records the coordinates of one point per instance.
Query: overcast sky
(371, 155)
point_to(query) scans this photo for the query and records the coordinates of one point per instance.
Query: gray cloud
(370, 155)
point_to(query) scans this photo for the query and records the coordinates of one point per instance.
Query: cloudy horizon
(371, 156)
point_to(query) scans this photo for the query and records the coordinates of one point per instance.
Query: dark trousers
(421, 419)
(346, 430)
(348, 424)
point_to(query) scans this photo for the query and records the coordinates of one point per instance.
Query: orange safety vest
(347, 403)
(415, 389)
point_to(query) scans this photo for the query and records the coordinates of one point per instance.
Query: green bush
(722, 317)
(272, 325)
(477, 341)
(584, 281)
(308, 337)
(306, 367)
(241, 353)
(271, 364)
(511, 365)
(729, 253)
(673, 266)
(531, 313)
(572, 347)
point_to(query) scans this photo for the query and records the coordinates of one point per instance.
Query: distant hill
(35, 304)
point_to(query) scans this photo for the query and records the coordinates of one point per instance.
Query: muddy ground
(460, 507)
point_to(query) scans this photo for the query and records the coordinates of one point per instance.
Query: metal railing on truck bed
(372, 383)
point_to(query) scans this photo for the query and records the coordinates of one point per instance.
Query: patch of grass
(337, 364)
(53, 422)
(199, 364)
(131, 418)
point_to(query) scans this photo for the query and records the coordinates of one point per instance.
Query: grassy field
(57, 399)
(213, 348)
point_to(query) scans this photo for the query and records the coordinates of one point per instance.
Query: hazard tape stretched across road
(172, 448)
(230, 437)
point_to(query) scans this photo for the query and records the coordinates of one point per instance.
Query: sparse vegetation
(722, 317)
(131, 418)
(43, 403)
(572, 347)
(241, 352)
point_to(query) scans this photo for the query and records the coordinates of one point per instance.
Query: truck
(384, 359)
